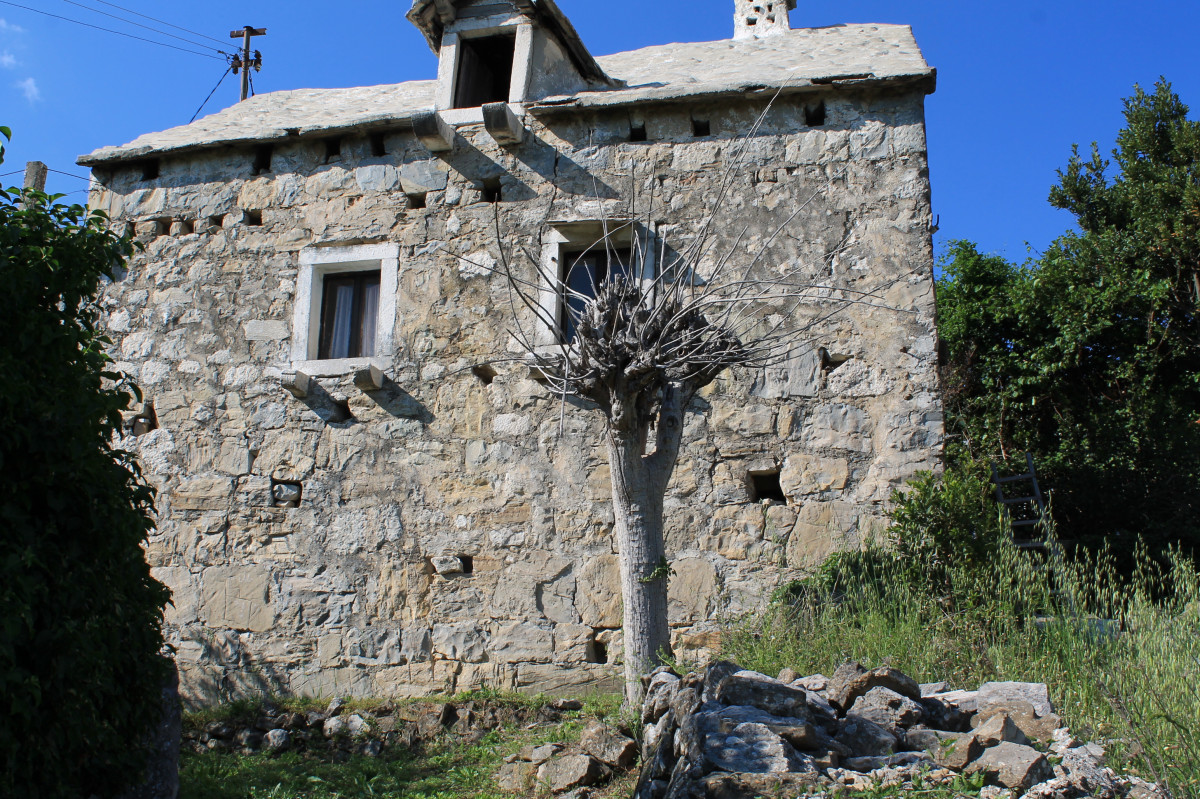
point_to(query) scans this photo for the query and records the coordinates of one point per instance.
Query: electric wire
(147, 27)
(110, 30)
(68, 174)
(10, 174)
(210, 94)
(160, 21)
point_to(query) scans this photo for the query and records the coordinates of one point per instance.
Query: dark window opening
(485, 373)
(217, 220)
(378, 145)
(468, 564)
(751, 21)
(145, 421)
(764, 486)
(416, 200)
(583, 273)
(599, 653)
(490, 191)
(286, 494)
(814, 115)
(150, 170)
(701, 128)
(637, 132)
(262, 159)
(349, 315)
(484, 70)
(254, 218)
(333, 149)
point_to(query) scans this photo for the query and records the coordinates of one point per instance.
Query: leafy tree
(80, 631)
(1090, 355)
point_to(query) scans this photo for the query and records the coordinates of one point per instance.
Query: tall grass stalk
(1119, 647)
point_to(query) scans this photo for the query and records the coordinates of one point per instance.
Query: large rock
(888, 709)
(798, 732)
(571, 771)
(1003, 695)
(1039, 728)
(1013, 766)
(851, 681)
(516, 777)
(721, 785)
(866, 738)
(752, 748)
(662, 688)
(608, 745)
(1000, 729)
(765, 693)
(959, 754)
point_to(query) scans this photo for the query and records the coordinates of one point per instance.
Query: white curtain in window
(370, 318)
(339, 342)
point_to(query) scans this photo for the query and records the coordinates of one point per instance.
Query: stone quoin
(364, 490)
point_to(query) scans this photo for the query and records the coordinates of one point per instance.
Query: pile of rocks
(725, 732)
(602, 751)
(338, 728)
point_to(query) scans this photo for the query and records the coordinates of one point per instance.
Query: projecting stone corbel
(297, 383)
(434, 133)
(503, 125)
(369, 379)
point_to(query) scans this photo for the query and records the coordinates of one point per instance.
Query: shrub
(80, 630)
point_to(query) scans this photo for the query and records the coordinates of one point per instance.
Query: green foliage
(1090, 356)
(1120, 652)
(80, 679)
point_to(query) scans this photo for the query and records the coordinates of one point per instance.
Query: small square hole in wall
(378, 145)
(490, 191)
(637, 132)
(262, 159)
(597, 651)
(417, 200)
(145, 421)
(764, 487)
(831, 360)
(333, 149)
(286, 494)
(701, 128)
(150, 169)
(814, 115)
(186, 227)
(254, 218)
(216, 221)
(468, 564)
(485, 373)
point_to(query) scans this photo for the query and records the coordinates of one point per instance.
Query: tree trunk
(638, 508)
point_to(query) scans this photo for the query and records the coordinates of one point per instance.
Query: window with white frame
(485, 60)
(582, 256)
(345, 312)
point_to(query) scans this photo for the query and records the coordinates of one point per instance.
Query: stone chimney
(757, 18)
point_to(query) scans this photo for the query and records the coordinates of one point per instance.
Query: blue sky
(1018, 82)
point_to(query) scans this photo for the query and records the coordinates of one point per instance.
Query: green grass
(1136, 680)
(446, 768)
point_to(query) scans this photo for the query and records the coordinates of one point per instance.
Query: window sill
(338, 367)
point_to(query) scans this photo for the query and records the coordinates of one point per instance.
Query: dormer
(503, 51)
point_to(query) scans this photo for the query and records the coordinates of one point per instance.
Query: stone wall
(454, 527)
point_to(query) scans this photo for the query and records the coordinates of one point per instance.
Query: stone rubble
(728, 732)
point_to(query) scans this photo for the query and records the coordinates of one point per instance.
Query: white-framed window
(485, 60)
(581, 255)
(345, 312)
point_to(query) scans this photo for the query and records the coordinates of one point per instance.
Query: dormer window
(485, 67)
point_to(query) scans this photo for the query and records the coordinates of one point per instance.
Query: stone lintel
(297, 383)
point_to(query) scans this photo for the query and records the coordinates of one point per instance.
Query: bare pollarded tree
(639, 347)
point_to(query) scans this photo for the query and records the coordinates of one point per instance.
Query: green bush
(80, 632)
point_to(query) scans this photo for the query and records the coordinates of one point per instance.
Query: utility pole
(35, 175)
(245, 62)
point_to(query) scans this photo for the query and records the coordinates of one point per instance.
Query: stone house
(363, 489)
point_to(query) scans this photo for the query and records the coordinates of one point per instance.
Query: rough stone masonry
(364, 490)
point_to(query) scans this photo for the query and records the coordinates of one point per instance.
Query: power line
(147, 27)
(10, 174)
(68, 174)
(159, 21)
(210, 94)
(109, 30)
